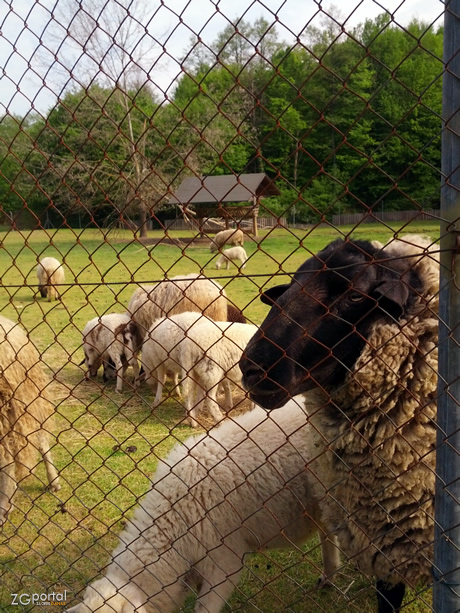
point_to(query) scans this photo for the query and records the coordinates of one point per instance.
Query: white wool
(210, 355)
(241, 488)
(235, 253)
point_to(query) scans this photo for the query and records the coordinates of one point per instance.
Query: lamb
(242, 488)
(231, 236)
(209, 355)
(179, 294)
(361, 324)
(235, 253)
(50, 273)
(113, 341)
(161, 350)
(25, 416)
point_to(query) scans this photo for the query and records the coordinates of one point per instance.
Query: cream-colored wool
(379, 466)
(162, 350)
(50, 274)
(231, 236)
(25, 415)
(233, 254)
(177, 295)
(210, 354)
(241, 488)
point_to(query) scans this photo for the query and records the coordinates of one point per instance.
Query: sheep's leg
(176, 384)
(161, 376)
(331, 558)
(228, 406)
(194, 396)
(217, 587)
(135, 366)
(213, 405)
(8, 487)
(389, 597)
(120, 369)
(51, 472)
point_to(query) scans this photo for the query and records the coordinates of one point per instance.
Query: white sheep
(239, 489)
(209, 355)
(234, 237)
(50, 274)
(179, 294)
(235, 253)
(161, 350)
(114, 341)
(25, 414)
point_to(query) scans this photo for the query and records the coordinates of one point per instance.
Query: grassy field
(63, 541)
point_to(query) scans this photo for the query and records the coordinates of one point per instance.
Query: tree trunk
(143, 222)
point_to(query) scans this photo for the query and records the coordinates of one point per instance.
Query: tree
(104, 43)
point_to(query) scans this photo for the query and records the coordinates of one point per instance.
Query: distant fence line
(374, 216)
(262, 223)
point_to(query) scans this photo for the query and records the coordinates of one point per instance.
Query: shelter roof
(224, 188)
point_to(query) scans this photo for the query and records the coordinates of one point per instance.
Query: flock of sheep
(364, 360)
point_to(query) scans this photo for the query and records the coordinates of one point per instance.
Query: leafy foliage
(343, 121)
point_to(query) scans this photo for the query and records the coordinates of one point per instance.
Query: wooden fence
(262, 223)
(374, 216)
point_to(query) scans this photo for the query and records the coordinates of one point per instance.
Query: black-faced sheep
(50, 274)
(113, 341)
(242, 488)
(233, 254)
(361, 323)
(191, 292)
(231, 236)
(25, 414)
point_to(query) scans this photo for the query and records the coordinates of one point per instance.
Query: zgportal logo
(44, 600)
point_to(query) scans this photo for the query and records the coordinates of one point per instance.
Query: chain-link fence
(220, 235)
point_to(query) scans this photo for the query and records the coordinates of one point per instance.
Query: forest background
(342, 121)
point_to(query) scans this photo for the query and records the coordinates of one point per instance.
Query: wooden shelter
(212, 197)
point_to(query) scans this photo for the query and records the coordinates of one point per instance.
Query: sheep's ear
(271, 295)
(392, 295)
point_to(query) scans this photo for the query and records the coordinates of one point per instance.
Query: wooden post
(254, 216)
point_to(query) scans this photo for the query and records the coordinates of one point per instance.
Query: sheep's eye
(355, 297)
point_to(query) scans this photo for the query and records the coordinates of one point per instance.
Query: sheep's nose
(252, 373)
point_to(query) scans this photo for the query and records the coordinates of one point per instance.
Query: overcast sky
(25, 25)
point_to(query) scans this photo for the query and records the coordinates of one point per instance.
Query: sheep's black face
(318, 324)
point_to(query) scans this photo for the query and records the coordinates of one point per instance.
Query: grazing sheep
(114, 341)
(209, 356)
(25, 413)
(231, 236)
(191, 292)
(242, 488)
(50, 273)
(235, 253)
(161, 350)
(361, 323)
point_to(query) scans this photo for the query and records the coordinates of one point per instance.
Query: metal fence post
(446, 568)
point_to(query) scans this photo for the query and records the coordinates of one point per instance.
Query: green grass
(64, 540)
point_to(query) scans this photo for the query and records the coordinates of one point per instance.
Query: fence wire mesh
(206, 205)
